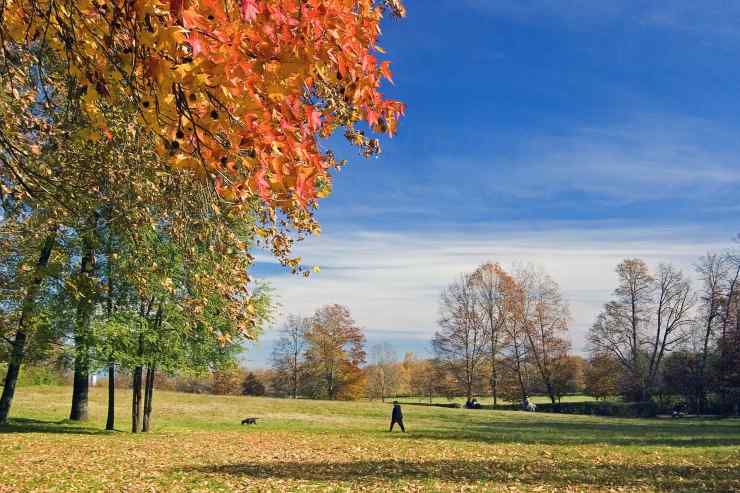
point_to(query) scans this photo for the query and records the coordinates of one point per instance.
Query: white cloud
(391, 281)
(635, 158)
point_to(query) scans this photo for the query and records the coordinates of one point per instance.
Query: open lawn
(199, 445)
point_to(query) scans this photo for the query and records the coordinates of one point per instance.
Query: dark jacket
(397, 414)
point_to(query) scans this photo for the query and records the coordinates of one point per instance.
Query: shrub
(34, 375)
(647, 409)
(252, 385)
(451, 405)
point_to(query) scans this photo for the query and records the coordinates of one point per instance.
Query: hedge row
(647, 409)
(451, 405)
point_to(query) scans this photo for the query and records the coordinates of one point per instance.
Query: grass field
(198, 445)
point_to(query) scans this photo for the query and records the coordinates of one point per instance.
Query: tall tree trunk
(148, 394)
(19, 343)
(136, 401)
(110, 422)
(80, 388)
(136, 391)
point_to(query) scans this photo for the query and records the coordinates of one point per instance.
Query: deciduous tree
(462, 343)
(335, 353)
(288, 354)
(494, 290)
(646, 320)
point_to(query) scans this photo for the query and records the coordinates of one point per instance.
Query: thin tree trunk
(19, 343)
(136, 392)
(494, 384)
(80, 388)
(136, 401)
(551, 392)
(148, 394)
(110, 422)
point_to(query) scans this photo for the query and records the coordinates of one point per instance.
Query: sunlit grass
(198, 445)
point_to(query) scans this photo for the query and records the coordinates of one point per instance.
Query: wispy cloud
(646, 160)
(391, 281)
(644, 157)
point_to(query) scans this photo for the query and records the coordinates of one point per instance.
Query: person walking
(397, 416)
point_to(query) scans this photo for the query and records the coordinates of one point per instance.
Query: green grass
(198, 445)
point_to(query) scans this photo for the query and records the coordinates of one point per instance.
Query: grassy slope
(198, 445)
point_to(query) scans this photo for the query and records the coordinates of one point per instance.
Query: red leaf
(385, 69)
(314, 119)
(249, 10)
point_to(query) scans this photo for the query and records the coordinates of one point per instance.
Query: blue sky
(568, 134)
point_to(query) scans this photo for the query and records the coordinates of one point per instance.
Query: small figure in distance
(397, 416)
(472, 404)
(527, 405)
(677, 410)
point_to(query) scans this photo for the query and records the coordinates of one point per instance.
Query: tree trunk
(110, 422)
(11, 378)
(551, 392)
(148, 394)
(19, 343)
(80, 390)
(494, 382)
(136, 401)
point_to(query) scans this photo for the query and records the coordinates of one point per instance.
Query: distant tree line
(663, 337)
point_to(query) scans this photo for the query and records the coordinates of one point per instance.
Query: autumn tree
(682, 376)
(384, 371)
(568, 373)
(424, 379)
(462, 342)
(516, 348)
(718, 293)
(230, 96)
(545, 326)
(494, 290)
(335, 354)
(251, 385)
(602, 376)
(647, 319)
(236, 92)
(288, 354)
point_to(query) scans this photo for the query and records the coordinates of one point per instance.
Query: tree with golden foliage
(335, 354)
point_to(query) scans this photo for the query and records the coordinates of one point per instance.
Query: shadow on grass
(25, 425)
(561, 475)
(675, 434)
